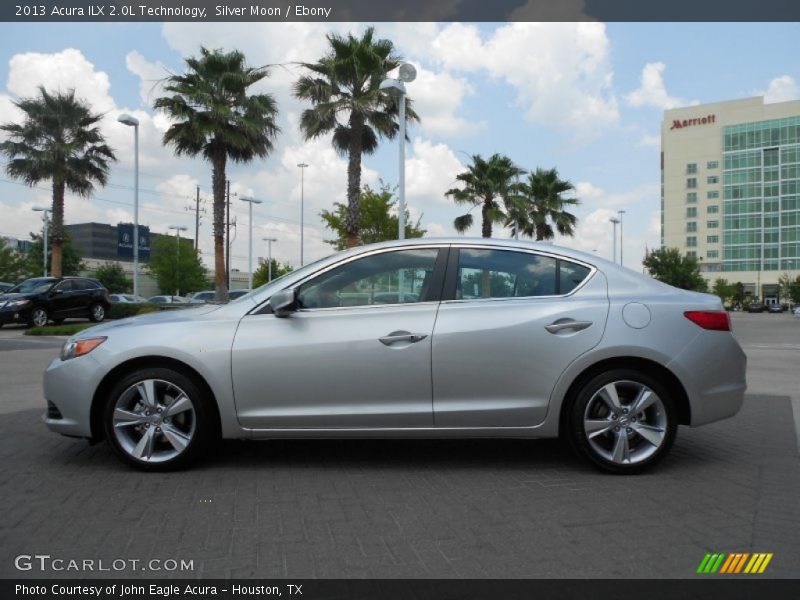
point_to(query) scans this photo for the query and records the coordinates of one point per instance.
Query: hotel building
(730, 190)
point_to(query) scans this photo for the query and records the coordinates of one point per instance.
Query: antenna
(407, 73)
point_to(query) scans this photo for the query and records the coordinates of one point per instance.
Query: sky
(586, 98)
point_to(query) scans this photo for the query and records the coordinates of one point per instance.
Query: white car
(167, 300)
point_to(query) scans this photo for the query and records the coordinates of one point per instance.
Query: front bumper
(70, 386)
(14, 315)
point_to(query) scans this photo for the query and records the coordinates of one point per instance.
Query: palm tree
(491, 185)
(213, 115)
(344, 90)
(58, 140)
(545, 206)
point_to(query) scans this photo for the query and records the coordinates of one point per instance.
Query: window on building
(712, 239)
(713, 194)
(691, 212)
(712, 179)
(712, 254)
(691, 182)
(691, 254)
(691, 168)
(691, 226)
(712, 224)
(712, 164)
(691, 241)
(712, 208)
(691, 197)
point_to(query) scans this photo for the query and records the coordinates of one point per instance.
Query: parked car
(797, 312)
(756, 307)
(41, 299)
(775, 308)
(236, 294)
(5, 286)
(200, 297)
(162, 299)
(556, 343)
(127, 299)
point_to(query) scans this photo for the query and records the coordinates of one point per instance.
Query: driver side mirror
(283, 303)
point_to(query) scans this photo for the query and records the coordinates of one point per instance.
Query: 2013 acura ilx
(420, 338)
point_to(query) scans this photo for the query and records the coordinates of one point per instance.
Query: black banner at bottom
(734, 588)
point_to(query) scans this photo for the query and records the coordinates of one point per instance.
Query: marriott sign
(681, 123)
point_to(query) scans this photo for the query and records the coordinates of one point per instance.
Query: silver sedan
(422, 338)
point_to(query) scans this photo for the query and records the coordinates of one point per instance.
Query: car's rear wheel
(38, 317)
(158, 419)
(97, 313)
(623, 421)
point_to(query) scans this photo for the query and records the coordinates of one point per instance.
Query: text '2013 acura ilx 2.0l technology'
(419, 338)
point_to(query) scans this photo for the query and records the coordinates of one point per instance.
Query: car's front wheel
(623, 421)
(38, 317)
(97, 313)
(158, 419)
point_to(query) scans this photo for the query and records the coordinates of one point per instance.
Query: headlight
(17, 303)
(76, 348)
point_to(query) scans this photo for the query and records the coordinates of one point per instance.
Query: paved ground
(412, 508)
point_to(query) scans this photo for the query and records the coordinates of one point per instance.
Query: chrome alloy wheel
(39, 317)
(98, 312)
(154, 421)
(625, 422)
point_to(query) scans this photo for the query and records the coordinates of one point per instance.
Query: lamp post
(620, 213)
(406, 74)
(303, 166)
(44, 212)
(178, 229)
(131, 121)
(250, 201)
(615, 220)
(269, 256)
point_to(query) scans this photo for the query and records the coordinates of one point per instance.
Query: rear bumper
(713, 371)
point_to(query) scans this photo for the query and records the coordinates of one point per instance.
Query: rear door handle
(560, 325)
(402, 336)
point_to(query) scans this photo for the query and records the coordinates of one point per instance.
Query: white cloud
(649, 141)
(652, 91)
(782, 89)
(62, 71)
(430, 172)
(561, 71)
(151, 76)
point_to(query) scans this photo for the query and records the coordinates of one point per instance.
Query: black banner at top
(398, 10)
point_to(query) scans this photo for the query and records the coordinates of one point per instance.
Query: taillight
(715, 320)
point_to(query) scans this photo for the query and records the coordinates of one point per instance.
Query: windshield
(301, 271)
(33, 286)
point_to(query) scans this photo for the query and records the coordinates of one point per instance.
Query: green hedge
(121, 310)
(66, 329)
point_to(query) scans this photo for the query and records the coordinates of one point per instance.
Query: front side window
(398, 277)
(509, 274)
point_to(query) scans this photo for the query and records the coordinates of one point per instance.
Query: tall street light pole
(269, 256)
(303, 166)
(250, 202)
(620, 213)
(45, 218)
(131, 121)
(178, 229)
(615, 220)
(406, 74)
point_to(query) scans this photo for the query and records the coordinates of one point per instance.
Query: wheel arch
(651, 367)
(143, 362)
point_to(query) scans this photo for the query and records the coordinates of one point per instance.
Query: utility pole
(228, 233)
(196, 210)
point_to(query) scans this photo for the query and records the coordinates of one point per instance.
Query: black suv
(41, 299)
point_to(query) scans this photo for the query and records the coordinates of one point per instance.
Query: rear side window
(511, 274)
(571, 275)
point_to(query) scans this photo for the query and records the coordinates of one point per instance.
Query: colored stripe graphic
(734, 563)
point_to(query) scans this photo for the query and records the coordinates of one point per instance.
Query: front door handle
(560, 325)
(402, 336)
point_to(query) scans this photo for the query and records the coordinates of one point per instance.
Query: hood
(16, 296)
(164, 316)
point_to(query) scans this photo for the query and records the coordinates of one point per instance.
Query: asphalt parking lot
(477, 508)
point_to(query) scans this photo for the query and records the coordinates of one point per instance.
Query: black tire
(644, 454)
(97, 312)
(38, 317)
(204, 417)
